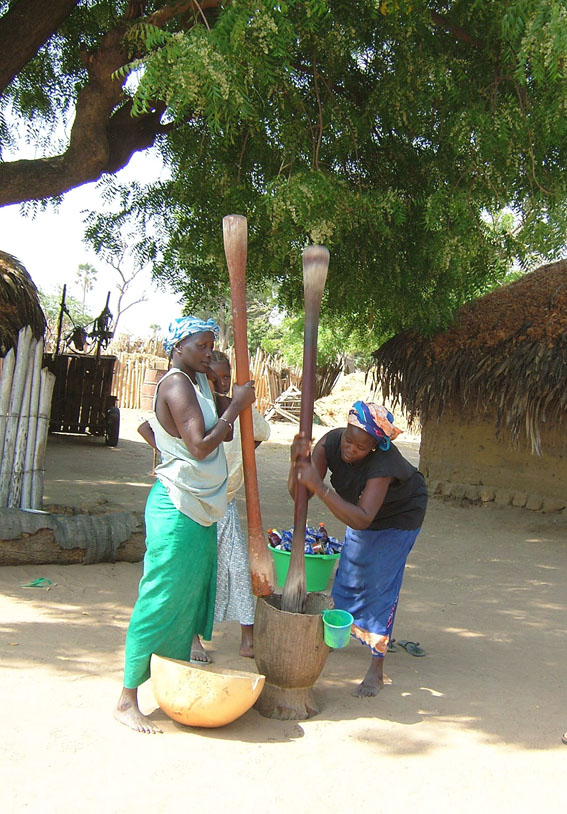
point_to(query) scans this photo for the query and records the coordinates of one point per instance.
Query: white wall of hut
(25, 398)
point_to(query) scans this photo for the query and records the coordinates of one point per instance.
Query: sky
(50, 247)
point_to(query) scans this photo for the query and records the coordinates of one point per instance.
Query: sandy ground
(476, 724)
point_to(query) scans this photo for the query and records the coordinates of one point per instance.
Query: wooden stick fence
(271, 376)
(131, 371)
(25, 405)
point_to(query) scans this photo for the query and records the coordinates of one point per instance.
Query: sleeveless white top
(233, 451)
(196, 488)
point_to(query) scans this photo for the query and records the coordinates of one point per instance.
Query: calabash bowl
(202, 695)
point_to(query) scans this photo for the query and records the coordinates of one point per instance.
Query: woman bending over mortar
(381, 497)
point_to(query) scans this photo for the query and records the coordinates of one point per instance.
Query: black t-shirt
(406, 499)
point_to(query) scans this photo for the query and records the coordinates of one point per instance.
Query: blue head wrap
(187, 326)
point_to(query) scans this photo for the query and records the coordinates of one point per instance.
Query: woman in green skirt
(176, 597)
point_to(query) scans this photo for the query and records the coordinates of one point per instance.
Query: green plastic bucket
(318, 568)
(337, 624)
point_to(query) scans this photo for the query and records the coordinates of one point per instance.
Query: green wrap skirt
(176, 597)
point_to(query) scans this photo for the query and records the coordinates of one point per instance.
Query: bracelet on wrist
(216, 392)
(226, 421)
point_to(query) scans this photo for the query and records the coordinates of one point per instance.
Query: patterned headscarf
(376, 420)
(187, 326)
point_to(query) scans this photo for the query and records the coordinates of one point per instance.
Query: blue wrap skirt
(369, 580)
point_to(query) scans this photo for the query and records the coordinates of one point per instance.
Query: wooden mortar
(291, 652)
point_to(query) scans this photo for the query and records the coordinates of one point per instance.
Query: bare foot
(373, 681)
(198, 652)
(247, 642)
(368, 688)
(127, 712)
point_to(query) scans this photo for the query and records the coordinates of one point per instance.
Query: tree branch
(25, 27)
(104, 135)
(455, 30)
(88, 154)
(317, 147)
(180, 8)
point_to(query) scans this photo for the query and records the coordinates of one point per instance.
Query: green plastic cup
(337, 624)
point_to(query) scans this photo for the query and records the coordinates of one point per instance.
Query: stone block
(458, 490)
(534, 503)
(433, 487)
(503, 497)
(553, 504)
(472, 492)
(486, 493)
(519, 499)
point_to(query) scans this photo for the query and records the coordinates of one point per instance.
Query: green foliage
(261, 334)
(85, 278)
(44, 92)
(337, 339)
(424, 143)
(51, 305)
(260, 303)
(372, 131)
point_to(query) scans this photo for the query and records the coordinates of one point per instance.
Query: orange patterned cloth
(374, 419)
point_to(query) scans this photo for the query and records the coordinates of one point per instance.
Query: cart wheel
(112, 428)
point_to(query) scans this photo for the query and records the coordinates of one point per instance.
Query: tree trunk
(41, 538)
(104, 135)
(24, 29)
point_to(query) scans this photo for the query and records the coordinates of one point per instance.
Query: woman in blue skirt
(381, 497)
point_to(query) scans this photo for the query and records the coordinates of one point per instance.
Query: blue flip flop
(412, 648)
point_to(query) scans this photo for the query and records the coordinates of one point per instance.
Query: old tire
(112, 427)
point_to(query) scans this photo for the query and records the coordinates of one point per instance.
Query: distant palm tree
(86, 277)
(155, 329)
(19, 303)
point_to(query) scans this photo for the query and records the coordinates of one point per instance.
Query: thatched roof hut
(505, 351)
(494, 382)
(19, 303)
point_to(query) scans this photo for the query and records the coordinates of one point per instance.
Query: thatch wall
(490, 394)
(504, 357)
(19, 303)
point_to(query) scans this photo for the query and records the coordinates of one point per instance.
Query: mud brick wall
(463, 456)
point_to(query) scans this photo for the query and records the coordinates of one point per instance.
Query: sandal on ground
(564, 738)
(391, 646)
(40, 582)
(412, 648)
(199, 656)
(200, 662)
